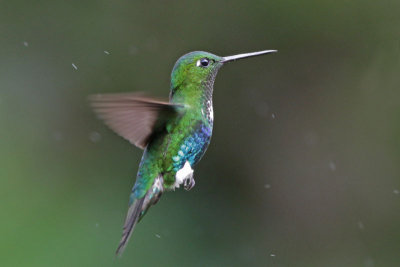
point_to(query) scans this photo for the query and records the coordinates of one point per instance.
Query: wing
(132, 115)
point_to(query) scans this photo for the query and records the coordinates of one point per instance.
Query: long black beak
(235, 57)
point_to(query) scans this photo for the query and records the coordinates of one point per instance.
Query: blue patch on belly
(193, 147)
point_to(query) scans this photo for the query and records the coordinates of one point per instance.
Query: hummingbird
(174, 134)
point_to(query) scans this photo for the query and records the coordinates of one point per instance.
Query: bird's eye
(203, 62)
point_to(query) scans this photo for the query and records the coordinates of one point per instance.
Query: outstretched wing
(132, 115)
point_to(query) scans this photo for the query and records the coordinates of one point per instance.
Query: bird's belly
(185, 146)
(192, 147)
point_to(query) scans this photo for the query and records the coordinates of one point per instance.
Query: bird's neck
(197, 98)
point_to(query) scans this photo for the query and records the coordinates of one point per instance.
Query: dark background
(303, 167)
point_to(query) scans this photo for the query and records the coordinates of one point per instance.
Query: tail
(138, 209)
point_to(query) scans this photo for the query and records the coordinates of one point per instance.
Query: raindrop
(97, 225)
(369, 263)
(267, 186)
(311, 138)
(273, 115)
(360, 225)
(58, 136)
(272, 255)
(106, 52)
(25, 43)
(74, 66)
(396, 191)
(157, 235)
(152, 43)
(94, 137)
(133, 50)
(261, 109)
(332, 166)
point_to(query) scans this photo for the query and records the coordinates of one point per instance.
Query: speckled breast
(194, 146)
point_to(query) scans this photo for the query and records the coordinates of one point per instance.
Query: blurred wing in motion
(132, 115)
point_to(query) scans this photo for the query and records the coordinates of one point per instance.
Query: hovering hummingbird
(174, 134)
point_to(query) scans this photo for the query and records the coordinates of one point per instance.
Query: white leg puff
(185, 176)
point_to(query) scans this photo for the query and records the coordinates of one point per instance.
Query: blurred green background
(303, 168)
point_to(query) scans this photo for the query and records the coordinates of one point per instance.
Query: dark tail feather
(131, 219)
(137, 210)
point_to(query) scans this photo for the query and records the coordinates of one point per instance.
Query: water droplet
(272, 255)
(106, 52)
(94, 137)
(74, 66)
(396, 191)
(97, 224)
(157, 235)
(152, 43)
(58, 136)
(267, 186)
(332, 166)
(25, 43)
(133, 50)
(311, 138)
(360, 225)
(261, 109)
(369, 262)
(273, 115)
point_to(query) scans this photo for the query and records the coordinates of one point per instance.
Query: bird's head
(198, 68)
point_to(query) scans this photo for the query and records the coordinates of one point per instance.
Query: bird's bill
(235, 57)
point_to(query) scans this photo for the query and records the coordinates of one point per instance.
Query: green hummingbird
(174, 134)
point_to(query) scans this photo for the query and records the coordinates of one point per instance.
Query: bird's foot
(185, 176)
(189, 182)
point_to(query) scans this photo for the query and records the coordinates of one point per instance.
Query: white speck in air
(396, 191)
(267, 186)
(272, 255)
(311, 138)
(74, 66)
(97, 225)
(26, 44)
(133, 50)
(58, 136)
(273, 115)
(360, 225)
(261, 109)
(106, 52)
(369, 262)
(94, 137)
(332, 166)
(152, 43)
(157, 235)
